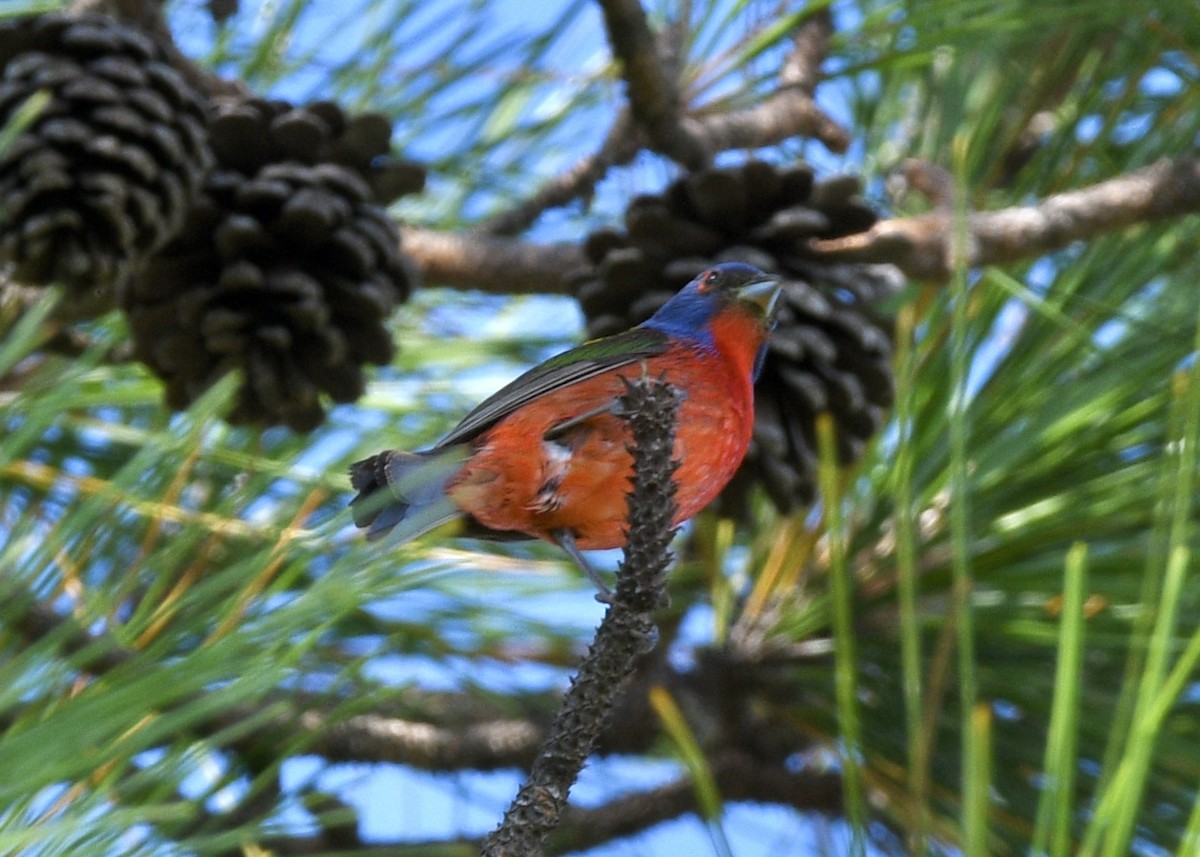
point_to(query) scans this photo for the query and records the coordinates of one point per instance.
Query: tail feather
(404, 491)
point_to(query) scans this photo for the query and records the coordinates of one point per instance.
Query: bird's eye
(710, 280)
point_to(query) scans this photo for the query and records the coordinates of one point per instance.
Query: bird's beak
(762, 294)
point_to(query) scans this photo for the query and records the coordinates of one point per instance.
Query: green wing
(587, 361)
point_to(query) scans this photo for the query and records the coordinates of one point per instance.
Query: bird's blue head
(730, 285)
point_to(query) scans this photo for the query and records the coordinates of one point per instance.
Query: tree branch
(620, 146)
(921, 246)
(490, 264)
(651, 88)
(790, 111)
(810, 46)
(786, 114)
(626, 634)
(738, 778)
(691, 140)
(488, 745)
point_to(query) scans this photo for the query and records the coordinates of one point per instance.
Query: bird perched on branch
(546, 456)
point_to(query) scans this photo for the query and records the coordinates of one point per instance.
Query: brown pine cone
(287, 268)
(103, 174)
(248, 135)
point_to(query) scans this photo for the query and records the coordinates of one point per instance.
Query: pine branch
(651, 89)
(626, 633)
(810, 47)
(789, 112)
(482, 746)
(738, 778)
(469, 260)
(659, 110)
(920, 246)
(620, 146)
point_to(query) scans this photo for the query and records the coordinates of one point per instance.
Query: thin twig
(625, 635)
(786, 114)
(620, 146)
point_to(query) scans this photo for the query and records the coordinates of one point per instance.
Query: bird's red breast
(518, 479)
(546, 456)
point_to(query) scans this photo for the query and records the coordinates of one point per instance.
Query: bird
(546, 456)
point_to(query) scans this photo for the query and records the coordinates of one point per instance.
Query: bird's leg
(566, 425)
(565, 539)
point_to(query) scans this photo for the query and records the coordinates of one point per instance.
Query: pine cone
(105, 172)
(248, 135)
(830, 350)
(285, 268)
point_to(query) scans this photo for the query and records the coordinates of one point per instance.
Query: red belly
(518, 481)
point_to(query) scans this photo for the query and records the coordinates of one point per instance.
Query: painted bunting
(546, 456)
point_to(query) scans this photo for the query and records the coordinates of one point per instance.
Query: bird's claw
(566, 541)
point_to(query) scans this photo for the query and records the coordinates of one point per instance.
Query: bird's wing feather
(579, 364)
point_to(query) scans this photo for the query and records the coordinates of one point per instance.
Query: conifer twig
(620, 146)
(626, 633)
